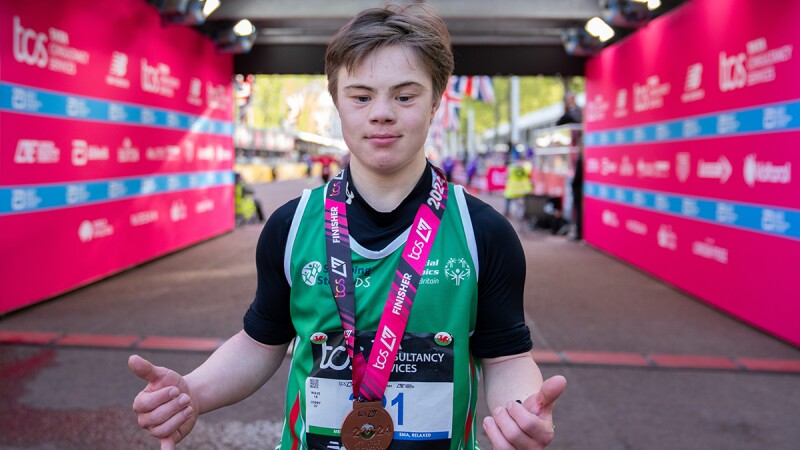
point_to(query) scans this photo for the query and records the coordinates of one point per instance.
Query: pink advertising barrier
(496, 178)
(690, 156)
(115, 142)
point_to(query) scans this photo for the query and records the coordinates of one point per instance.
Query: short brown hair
(422, 31)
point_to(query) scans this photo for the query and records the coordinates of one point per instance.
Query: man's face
(386, 107)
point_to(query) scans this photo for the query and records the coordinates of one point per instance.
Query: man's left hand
(526, 426)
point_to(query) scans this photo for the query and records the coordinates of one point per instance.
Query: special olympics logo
(457, 270)
(310, 272)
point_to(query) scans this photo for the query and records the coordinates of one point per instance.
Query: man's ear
(435, 108)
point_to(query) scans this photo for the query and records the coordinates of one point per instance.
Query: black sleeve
(268, 320)
(500, 329)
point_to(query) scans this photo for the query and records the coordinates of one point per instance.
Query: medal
(367, 427)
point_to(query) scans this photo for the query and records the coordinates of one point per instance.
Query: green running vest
(432, 390)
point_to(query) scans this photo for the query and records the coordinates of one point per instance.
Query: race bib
(422, 410)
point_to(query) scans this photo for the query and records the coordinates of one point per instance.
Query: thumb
(167, 444)
(551, 389)
(144, 369)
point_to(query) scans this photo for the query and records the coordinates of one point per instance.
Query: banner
(690, 156)
(115, 142)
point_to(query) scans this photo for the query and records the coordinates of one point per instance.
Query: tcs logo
(29, 45)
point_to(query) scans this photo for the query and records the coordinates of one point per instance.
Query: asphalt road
(648, 366)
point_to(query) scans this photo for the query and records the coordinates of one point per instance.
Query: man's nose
(382, 111)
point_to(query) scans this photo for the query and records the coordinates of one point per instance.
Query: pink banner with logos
(690, 156)
(115, 142)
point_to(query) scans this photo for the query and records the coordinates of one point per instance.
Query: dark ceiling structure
(500, 37)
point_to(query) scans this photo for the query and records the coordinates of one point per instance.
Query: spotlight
(237, 39)
(187, 12)
(628, 13)
(599, 29)
(578, 42)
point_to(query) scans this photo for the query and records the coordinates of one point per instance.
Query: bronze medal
(367, 427)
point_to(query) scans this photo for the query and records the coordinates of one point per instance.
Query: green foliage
(270, 93)
(534, 92)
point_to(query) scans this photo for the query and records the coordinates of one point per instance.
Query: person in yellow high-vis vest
(518, 183)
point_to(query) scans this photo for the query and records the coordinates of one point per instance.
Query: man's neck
(385, 192)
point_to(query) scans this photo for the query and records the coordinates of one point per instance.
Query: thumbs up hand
(165, 407)
(528, 425)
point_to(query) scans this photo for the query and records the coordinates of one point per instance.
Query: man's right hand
(165, 407)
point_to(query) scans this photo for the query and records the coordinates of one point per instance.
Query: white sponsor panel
(667, 238)
(24, 199)
(217, 97)
(683, 166)
(775, 118)
(636, 227)
(156, 79)
(692, 88)
(224, 154)
(596, 109)
(708, 249)
(83, 152)
(610, 218)
(90, 230)
(203, 206)
(592, 165)
(140, 218)
(756, 171)
(195, 92)
(756, 65)
(127, 153)
(650, 95)
(25, 100)
(118, 70)
(205, 153)
(621, 107)
(50, 50)
(608, 166)
(653, 169)
(716, 170)
(626, 168)
(726, 213)
(774, 221)
(77, 193)
(116, 189)
(178, 211)
(34, 151)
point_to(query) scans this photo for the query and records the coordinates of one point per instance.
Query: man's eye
(362, 98)
(405, 98)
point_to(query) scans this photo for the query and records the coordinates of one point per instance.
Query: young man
(392, 310)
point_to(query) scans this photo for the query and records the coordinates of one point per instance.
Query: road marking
(541, 356)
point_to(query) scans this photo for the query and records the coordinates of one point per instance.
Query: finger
(164, 412)
(542, 401)
(170, 427)
(144, 369)
(540, 429)
(146, 402)
(494, 434)
(515, 433)
(169, 443)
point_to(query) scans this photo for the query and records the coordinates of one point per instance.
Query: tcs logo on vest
(29, 45)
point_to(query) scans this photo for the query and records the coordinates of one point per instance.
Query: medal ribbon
(370, 377)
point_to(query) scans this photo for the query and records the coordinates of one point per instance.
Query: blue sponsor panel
(782, 222)
(27, 199)
(761, 119)
(27, 100)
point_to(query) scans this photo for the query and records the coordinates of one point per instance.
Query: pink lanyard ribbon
(371, 377)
